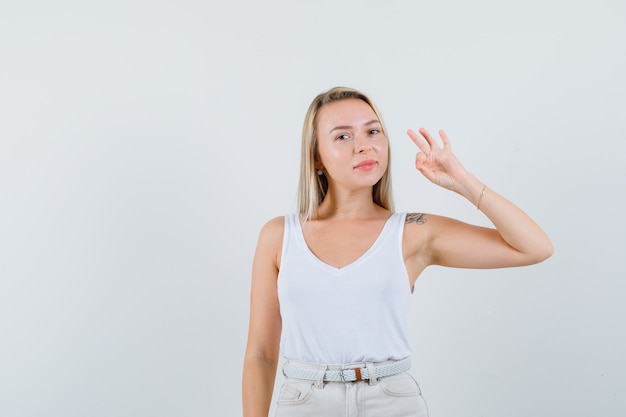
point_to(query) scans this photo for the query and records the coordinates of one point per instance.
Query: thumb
(421, 164)
(420, 159)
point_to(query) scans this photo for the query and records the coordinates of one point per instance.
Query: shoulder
(426, 223)
(426, 218)
(416, 218)
(420, 233)
(420, 228)
(270, 242)
(273, 229)
(416, 225)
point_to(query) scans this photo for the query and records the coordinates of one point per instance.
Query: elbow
(542, 252)
(548, 249)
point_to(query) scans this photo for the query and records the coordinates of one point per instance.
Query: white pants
(392, 396)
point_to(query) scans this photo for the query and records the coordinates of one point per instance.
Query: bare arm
(262, 350)
(516, 240)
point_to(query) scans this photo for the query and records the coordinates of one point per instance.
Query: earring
(320, 172)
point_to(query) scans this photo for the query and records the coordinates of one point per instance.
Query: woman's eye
(374, 132)
(342, 137)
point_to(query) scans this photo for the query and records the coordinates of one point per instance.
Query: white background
(144, 144)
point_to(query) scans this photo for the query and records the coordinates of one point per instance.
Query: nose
(361, 145)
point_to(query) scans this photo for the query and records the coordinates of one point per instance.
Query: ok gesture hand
(438, 164)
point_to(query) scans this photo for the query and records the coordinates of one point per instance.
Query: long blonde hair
(312, 188)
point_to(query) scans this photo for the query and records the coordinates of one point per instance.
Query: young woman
(331, 284)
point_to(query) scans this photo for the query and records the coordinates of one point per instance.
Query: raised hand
(437, 163)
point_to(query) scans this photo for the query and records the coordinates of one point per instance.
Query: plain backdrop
(144, 144)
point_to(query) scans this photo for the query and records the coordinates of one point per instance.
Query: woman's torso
(344, 292)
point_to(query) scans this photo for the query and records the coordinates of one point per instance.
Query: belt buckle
(342, 375)
(357, 375)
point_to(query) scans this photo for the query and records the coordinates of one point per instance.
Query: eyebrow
(371, 122)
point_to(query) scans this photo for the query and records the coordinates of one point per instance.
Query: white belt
(348, 374)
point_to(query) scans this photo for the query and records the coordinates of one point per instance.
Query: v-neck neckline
(377, 242)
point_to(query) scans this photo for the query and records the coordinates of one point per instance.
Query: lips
(366, 165)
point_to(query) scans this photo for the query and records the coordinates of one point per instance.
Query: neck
(356, 204)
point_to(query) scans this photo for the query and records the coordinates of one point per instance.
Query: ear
(318, 163)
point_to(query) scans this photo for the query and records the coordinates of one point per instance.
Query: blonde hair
(312, 188)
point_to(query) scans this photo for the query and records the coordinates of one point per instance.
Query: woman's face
(353, 150)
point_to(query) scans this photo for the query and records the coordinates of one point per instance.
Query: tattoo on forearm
(417, 218)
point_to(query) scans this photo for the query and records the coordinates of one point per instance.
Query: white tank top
(353, 314)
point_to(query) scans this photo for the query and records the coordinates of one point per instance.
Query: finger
(431, 141)
(420, 158)
(444, 139)
(421, 164)
(419, 141)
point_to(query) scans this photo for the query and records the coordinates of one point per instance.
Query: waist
(366, 371)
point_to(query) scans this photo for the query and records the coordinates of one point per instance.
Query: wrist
(472, 189)
(480, 197)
